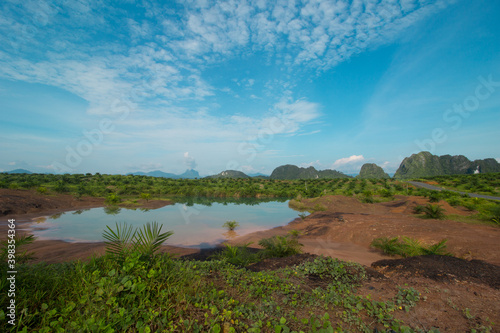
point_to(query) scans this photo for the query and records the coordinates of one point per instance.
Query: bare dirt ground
(457, 295)
(347, 227)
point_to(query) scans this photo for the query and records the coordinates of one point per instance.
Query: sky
(123, 86)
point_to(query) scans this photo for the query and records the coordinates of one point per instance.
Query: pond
(194, 225)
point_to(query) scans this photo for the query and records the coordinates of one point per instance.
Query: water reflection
(112, 210)
(56, 216)
(78, 212)
(230, 234)
(41, 219)
(190, 201)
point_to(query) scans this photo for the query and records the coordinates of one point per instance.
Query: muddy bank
(347, 227)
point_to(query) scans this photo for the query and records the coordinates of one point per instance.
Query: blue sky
(123, 86)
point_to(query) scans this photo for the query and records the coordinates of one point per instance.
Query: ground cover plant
(148, 291)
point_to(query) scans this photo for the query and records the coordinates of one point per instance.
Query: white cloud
(165, 61)
(354, 159)
(290, 116)
(189, 162)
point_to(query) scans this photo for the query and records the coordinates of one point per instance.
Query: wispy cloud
(166, 52)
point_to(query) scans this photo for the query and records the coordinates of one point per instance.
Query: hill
(372, 171)
(425, 164)
(294, 172)
(230, 174)
(190, 174)
(20, 171)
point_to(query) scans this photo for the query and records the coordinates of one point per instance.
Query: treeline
(98, 185)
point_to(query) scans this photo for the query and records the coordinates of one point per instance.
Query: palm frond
(119, 242)
(149, 239)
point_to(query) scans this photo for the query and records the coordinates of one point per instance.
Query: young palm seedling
(125, 240)
(231, 225)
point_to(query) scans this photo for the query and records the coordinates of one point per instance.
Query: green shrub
(238, 255)
(418, 209)
(408, 247)
(231, 225)
(366, 199)
(146, 196)
(41, 190)
(434, 196)
(385, 193)
(338, 271)
(280, 246)
(453, 202)
(434, 212)
(113, 199)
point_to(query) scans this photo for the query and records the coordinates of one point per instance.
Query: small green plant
(439, 248)
(19, 240)
(280, 246)
(408, 247)
(385, 193)
(113, 199)
(434, 196)
(41, 190)
(302, 216)
(146, 196)
(434, 212)
(367, 199)
(125, 240)
(238, 255)
(231, 225)
(407, 298)
(494, 213)
(295, 233)
(453, 201)
(418, 209)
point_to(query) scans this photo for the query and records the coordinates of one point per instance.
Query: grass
(408, 247)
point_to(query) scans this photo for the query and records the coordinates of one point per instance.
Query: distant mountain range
(188, 174)
(423, 164)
